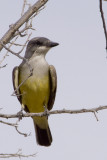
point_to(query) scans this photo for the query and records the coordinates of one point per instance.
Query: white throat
(41, 51)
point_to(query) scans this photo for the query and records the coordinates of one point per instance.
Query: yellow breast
(35, 93)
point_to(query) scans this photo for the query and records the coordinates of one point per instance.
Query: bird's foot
(20, 114)
(46, 112)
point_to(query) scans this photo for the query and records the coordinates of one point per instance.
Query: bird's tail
(43, 134)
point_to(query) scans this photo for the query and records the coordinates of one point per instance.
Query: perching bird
(37, 92)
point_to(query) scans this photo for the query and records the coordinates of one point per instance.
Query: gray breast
(39, 65)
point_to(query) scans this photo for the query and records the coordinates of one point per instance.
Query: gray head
(38, 46)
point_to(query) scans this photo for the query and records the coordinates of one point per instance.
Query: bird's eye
(38, 43)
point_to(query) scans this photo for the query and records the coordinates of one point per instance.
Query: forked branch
(14, 27)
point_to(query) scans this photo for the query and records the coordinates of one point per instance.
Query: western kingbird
(37, 92)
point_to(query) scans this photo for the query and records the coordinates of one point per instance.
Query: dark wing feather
(15, 78)
(53, 86)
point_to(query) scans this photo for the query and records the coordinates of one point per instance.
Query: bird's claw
(20, 114)
(46, 112)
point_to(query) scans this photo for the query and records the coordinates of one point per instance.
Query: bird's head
(39, 46)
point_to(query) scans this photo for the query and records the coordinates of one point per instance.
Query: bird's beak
(52, 44)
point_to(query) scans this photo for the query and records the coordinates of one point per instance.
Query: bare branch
(16, 127)
(3, 66)
(15, 39)
(10, 33)
(92, 110)
(16, 44)
(17, 154)
(16, 54)
(10, 124)
(24, 4)
(24, 134)
(103, 20)
(1, 61)
(95, 116)
(24, 29)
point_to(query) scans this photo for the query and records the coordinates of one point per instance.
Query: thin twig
(16, 44)
(23, 30)
(17, 154)
(10, 124)
(16, 127)
(24, 134)
(16, 54)
(3, 66)
(25, 44)
(95, 116)
(3, 58)
(24, 4)
(103, 20)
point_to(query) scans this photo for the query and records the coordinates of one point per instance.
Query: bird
(37, 91)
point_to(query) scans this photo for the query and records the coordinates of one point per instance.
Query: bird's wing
(15, 77)
(53, 86)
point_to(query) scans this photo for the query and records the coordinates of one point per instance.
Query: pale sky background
(81, 64)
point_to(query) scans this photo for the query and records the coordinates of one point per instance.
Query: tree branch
(24, 134)
(103, 20)
(9, 50)
(10, 124)
(17, 154)
(14, 27)
(3, 66)
(92, 110)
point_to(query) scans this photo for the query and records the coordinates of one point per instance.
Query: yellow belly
(35, 93)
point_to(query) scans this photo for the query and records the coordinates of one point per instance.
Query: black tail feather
(43, 136)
